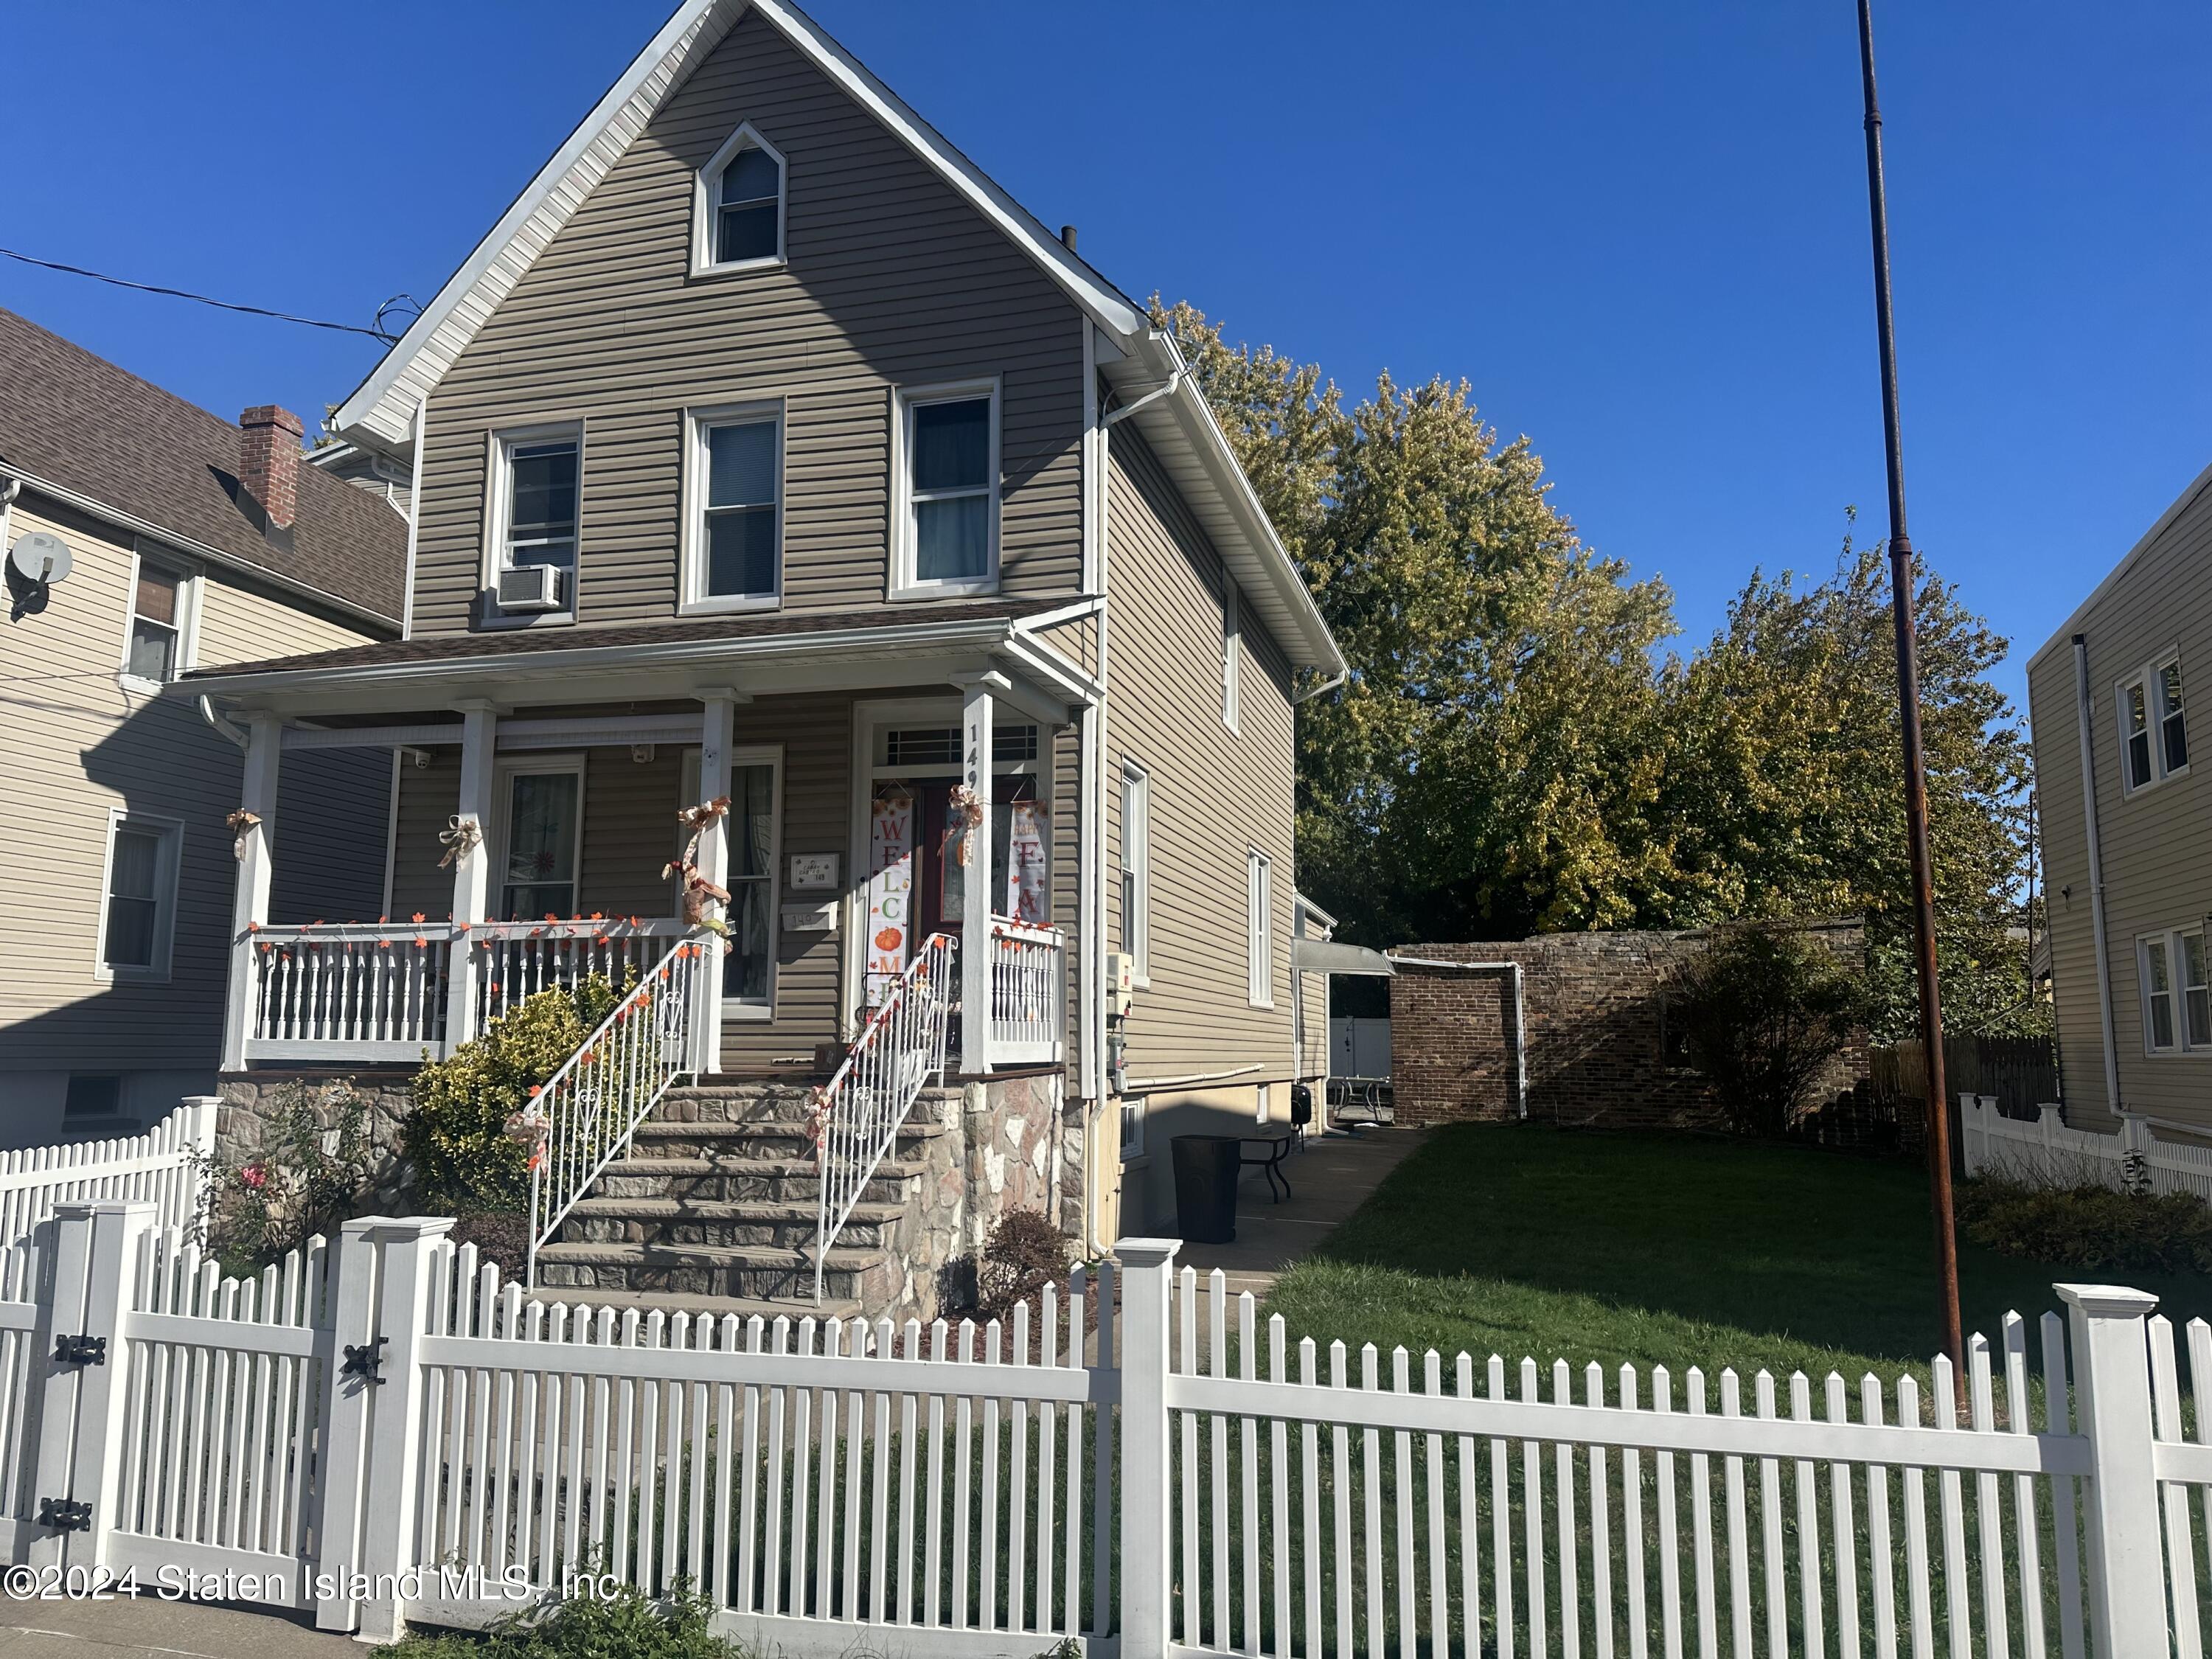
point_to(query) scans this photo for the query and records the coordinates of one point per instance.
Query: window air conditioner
(530, 587)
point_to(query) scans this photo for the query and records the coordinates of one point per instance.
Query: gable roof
(76, 426)
(381, 411)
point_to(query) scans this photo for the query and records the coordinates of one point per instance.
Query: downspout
(2096, 872)
(1512, 969)
(414, 519)
(208, 714)
(1127, 410)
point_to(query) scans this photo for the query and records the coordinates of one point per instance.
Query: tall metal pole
(1901, 584)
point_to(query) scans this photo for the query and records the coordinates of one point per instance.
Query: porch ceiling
(756, 656)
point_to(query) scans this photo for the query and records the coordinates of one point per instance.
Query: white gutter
(1156, 393)
(208, 713)
(183, 543)
(1520, 1015)
(1329, 684)
(414, 520)
(2082, 708)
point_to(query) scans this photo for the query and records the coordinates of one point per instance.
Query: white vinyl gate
(381, 1430)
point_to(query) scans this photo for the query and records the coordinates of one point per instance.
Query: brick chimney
(269, 461)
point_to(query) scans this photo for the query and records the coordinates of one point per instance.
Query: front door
(938, 879)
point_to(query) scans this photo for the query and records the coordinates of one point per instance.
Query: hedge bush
(625, 1625)
(1762, 1010)
(2094, 1227)
(456, 1134)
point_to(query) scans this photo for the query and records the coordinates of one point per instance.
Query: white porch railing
(1028, 1000)
(588, 1109)
(517, 959)
(366, 992)
(899, 1050)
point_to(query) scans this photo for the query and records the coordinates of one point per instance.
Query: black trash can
(1205, 1170)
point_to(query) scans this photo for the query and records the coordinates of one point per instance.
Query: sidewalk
(1328, 1181)
(142, 1628)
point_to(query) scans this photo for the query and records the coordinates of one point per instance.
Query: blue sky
(1638, 231)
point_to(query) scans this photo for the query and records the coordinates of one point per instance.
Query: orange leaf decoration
(420, 942)
(596, 916)
(493, 987)
(384, 945)
(418, 918)
(533, 1090)
(380, 920)
(550, 916)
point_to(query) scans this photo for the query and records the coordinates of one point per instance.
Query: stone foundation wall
(1597, 1052)
(995, 1154)
(251, 1101)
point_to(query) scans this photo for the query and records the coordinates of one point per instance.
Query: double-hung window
(535, 501)
(739, 224)
(2153, 729)
(155, 651)
(1136, 868)
(1232, 639)
(1258, 930)
(2177, 991)
(733, 550)
(139, 900)
(950, 511)
(543, 841)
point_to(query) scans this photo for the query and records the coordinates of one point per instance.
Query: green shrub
(308, 1176)
(456, 1135)
(1762, 1013)
(623, 1625)
(2094, 1227)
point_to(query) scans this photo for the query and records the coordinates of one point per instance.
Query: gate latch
(363, 1360)
(65, 1514)
(80, 1350)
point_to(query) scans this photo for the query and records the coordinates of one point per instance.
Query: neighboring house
(190, 540)
(767, 449)
(2125, 876)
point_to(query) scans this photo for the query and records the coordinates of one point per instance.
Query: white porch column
(975, 887)
(472, 870)
(249, 903)
(714, 860)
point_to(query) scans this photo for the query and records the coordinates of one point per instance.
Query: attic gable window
(739, 222)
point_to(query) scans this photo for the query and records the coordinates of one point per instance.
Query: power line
(375, 333)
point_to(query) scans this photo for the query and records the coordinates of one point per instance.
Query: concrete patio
(1330, 1179)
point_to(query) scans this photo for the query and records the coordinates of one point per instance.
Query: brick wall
(1594, 1037)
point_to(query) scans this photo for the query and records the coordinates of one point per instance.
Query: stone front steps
(714, 1210)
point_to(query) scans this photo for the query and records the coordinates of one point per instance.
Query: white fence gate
(382, 1430)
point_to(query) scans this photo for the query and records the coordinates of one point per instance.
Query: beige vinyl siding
(1214, 792)
(82, 741)
(2158, 874)
(892, 280)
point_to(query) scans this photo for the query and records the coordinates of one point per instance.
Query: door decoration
(697, 889)
(891, 892)
(1027, 896)
(964, 811)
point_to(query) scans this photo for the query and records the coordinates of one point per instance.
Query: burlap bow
(697, 889)
(459, 835)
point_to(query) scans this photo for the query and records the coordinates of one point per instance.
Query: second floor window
(951, 491)
(1136, 868)
(157, 623)
(736, 529)
(739, 222)
(2154, 730)
(540, 498)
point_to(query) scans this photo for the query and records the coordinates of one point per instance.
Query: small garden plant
(624, 1623)
(466, 1160)
(2094, 1227)
(309, 1174)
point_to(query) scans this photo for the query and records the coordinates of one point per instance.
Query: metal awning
(1323, 956)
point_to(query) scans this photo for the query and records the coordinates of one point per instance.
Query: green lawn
(1658, 1250)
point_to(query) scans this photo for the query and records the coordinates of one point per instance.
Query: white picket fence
(159, 1166)
(2046, 1153)
(382, 1431)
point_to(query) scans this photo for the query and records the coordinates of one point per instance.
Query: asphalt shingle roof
(78, 421)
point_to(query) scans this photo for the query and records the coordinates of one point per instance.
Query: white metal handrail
(349, 991)
(1028, 1007)
(584, 1114)
(860, 1110)
(516, 960)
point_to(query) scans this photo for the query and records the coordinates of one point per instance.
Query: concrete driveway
(1330, 1179)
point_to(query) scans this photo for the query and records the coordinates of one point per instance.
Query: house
(189, 540)
(766, 451)
(2122, 820)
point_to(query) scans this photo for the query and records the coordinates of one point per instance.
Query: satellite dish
(40, 557)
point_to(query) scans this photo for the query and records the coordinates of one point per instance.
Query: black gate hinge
(80, 1350)
(65, 1514)
(363, 1360)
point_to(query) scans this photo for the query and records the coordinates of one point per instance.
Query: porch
(535, 839)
